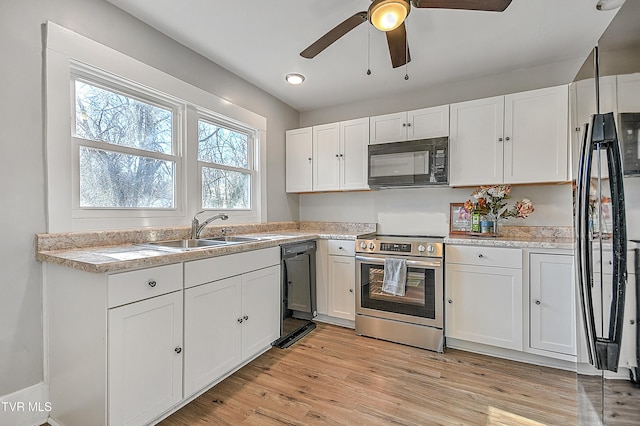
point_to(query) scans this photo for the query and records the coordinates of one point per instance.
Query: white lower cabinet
(335, 282)
(232, 319)
(484, 305)
(483, 295)
(552, 325)
(145, 359)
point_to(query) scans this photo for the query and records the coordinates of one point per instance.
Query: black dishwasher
(298, 291)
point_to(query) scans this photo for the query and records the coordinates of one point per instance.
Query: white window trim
(63, 50)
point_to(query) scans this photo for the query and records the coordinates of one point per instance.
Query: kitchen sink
(234, 239)
(189, 244)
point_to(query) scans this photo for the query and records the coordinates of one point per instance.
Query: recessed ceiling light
(294, 78)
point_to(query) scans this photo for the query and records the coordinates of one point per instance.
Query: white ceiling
(260, 41)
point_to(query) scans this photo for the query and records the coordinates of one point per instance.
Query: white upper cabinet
(583, 101)
(476, 142)
(299, 160)
(354, 140)
(629, 93)
(326, 157)
(410, 125)
(517, 138)
(329, 157)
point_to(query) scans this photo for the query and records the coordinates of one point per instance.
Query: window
(126, 149)
(225, 159)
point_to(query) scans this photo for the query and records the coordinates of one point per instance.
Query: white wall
(425, 211)
(22, 212)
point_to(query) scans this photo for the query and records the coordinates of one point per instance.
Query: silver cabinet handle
(537, 302)
(178, 349)
(152, 283)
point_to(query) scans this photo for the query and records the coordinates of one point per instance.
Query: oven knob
(421, 248)
(430, 248)
(371, 246)
(363, 245)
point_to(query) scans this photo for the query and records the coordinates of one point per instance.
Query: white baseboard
(26, 407)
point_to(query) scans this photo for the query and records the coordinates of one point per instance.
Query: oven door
(423, 299)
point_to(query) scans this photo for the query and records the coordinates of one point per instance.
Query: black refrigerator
(607, 279)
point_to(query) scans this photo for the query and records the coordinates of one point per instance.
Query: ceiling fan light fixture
(387, 15)
(294, 78)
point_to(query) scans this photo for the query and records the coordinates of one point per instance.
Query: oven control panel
(422, 247)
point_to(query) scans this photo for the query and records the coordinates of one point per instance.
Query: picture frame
(459, 219)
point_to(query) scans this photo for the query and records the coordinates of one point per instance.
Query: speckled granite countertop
(109, 251)
(536, 237)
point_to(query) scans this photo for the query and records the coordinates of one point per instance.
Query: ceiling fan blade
(338, 31)
(398, 49)
(487, 5)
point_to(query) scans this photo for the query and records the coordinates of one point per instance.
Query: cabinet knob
(337, 156)
(246, 317)
(537, 302)
(350, 290)
(178, 350)
(240, 320)
(449, 301)
(507, 138)
(499, 139)
(408, 124)
(309, 158)
(341, 155)
(480, 255)
(152, 283)
(340, 248)
(404, 124)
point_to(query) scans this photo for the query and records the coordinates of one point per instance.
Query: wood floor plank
(333, 377)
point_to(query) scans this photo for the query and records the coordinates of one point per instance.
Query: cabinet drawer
(216, 268)
(484, 256)
(128, 287)
(342, 247)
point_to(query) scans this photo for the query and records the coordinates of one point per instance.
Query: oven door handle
(414, 263)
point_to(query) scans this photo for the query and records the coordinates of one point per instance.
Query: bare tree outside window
(225, 162)
(124, 178)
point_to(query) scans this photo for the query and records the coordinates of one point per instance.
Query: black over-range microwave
(630, 138)
(423, 162)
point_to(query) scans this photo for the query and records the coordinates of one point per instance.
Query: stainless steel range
(414, 318)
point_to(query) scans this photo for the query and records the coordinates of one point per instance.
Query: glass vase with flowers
(491, 203)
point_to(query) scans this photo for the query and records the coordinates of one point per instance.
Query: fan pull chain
(368, 45)
(406, 52)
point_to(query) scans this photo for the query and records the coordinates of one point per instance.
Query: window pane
(109, 117)
(224, 189)
(222, 146)
(113, 179)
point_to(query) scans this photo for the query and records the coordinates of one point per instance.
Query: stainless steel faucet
(197, 227)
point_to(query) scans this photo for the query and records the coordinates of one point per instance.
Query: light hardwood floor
(333, 377)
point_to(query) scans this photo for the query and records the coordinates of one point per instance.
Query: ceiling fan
(389, 16)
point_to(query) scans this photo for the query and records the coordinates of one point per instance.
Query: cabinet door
(342, 277)
(299, 163)
(536, 136)
(552, 324)
(484, 305)
(211, 332)
(326, 157)
(354, 140)
(629, 93)
(260, 310)
(388, 128)
(475, 142)
(583, 106)
(428, 123)
(145, 359)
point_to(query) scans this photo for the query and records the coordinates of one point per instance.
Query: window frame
(82, 73)
(65, 52)
(252, 163)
